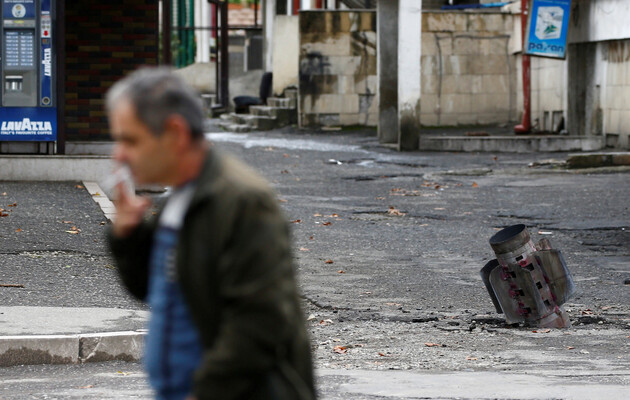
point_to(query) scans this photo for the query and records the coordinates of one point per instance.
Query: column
(399, 38)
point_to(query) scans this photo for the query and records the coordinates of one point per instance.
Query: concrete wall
(598, 20)
(548, 93)
(468, 70)
(615, 107)
(286, 50)
(337, 68)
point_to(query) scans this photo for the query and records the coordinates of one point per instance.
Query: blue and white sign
(28, 124)
(18, 9)
(547, 28)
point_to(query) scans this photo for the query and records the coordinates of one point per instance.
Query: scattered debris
(340, 349)
(11, 285)
(394, 211)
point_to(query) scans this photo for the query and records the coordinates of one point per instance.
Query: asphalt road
(388, 247)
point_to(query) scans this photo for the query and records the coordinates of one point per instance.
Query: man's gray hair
(157, 93)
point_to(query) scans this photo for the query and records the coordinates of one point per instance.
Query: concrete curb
(71, 349)
(98, 195)
(55, 168)
(510, 144)
(596, 160)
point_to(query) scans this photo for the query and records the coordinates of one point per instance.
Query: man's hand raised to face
(129, 211)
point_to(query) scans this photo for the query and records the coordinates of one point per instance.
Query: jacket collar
(207, 179)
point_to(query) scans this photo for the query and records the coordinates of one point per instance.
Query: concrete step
(282, 102)
(291, 93)
(234, 127)
(510, 144)
(283, 116)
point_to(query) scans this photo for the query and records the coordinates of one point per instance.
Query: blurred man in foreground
(214, 264)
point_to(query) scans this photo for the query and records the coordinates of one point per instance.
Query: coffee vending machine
(28, 103)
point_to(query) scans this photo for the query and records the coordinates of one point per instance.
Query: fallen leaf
(311, 238)
(382, 355)
(86, 387)
(282, 200)
(570, 347)
(325, 322)
(297, 221)
(124, 373)
(395, 211)
(3, 214)
(317, 215)
(12, 205)
(341, 271)
(340, 349)
(475, 184)
(542, 331)
(433, 345)
(328, 261)
(327, 223)
(79, 187)
(304, 249)
(334, 215)
(18, 230)
(74, 231)
(470, 358)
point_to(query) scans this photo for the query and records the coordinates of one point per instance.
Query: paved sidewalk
(383, 299)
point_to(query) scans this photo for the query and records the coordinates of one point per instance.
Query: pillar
(269, 13)
(399, 38)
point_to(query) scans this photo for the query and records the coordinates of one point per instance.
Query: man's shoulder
(231, 180)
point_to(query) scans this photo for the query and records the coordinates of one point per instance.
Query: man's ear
(178, 132)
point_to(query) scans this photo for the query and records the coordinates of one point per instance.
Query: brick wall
(104, 40)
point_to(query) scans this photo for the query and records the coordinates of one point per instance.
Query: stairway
(279, 112)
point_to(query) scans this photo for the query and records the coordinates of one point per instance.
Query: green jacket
(235, 268)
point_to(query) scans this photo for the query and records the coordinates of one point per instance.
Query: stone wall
(468, 69)
(337, 68)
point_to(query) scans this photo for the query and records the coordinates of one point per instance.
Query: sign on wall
(28, 124)
(547, 28)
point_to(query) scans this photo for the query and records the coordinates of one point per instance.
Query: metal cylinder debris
(526, 282)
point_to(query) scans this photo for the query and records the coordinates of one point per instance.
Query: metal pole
(526, 124)
(256, 13)
(60, 86)
(225, 77)
(167, 12)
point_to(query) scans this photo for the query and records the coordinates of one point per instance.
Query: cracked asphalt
(388, 248)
